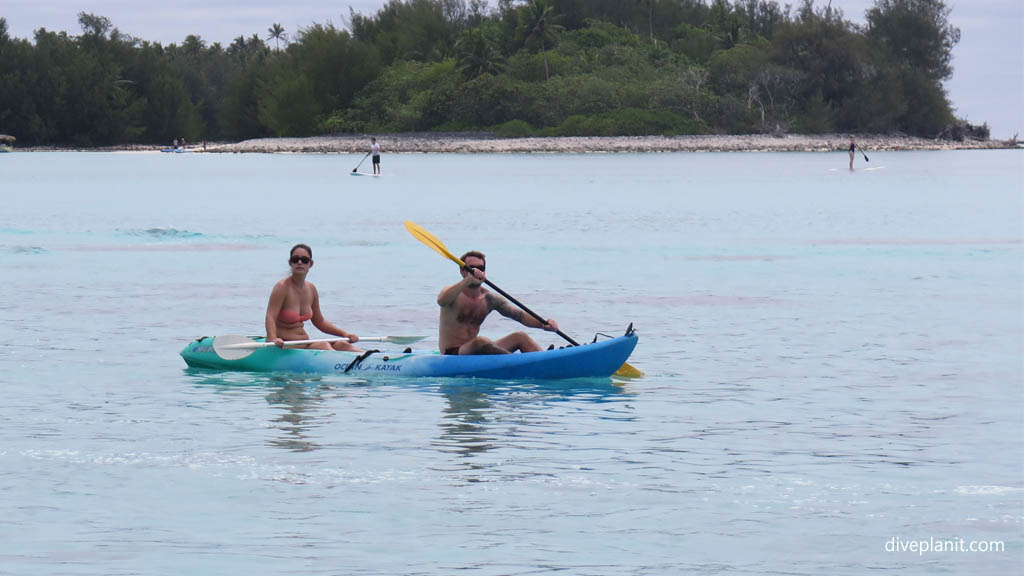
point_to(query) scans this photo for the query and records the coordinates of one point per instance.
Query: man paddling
(375, 150)
(465, 305)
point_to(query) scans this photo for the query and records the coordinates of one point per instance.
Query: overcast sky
(987, 83)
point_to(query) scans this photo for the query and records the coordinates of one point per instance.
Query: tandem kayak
(594, 360)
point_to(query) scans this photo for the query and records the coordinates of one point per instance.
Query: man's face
(473, 262)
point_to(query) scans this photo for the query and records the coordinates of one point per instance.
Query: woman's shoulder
(281, 285)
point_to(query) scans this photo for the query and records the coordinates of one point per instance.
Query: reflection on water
(203, 377)
(464, 423)
(300, 412)
(475, 420)
(472, 422)
(298, 398)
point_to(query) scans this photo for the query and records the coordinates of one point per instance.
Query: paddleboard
(873, 168)
(363, 174)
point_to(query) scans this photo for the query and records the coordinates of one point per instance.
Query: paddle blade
(627, 370)
(430, 240)
(234, 346)
(401, 339)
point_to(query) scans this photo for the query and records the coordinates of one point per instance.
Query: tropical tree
(407, 30)
(916, 34)
(650, 17)
(727, 24)
(335, 63)
(277, 34)
(243, 49)
(193, 46)
(538, 24)
(477, 55)
(831, 63)
(917, 41)
(94, 25)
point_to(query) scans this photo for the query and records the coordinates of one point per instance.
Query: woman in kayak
(294, 301)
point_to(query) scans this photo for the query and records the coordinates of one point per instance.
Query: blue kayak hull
(600, 360)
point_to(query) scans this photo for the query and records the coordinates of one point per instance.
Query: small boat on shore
(595, 360)
(7, 143)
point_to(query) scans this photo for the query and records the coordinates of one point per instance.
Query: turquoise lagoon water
(833, 359)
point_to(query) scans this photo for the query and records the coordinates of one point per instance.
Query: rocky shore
(483, 143)
(465, 143)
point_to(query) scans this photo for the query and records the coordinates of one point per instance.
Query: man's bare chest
(472, 310)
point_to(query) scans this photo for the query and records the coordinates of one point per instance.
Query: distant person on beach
(375, 150)
(465, 305)
(853, 147)
(294, 301)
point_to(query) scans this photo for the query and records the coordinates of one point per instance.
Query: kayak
(594, 360)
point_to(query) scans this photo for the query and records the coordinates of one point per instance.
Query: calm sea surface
(834, 366)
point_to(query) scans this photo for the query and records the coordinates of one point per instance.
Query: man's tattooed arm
(501, 306)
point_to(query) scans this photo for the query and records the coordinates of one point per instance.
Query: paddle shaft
(530, 312)
(361, 162)
(254, 345)
(245, 345)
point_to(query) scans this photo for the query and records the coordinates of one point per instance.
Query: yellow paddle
(430, 240)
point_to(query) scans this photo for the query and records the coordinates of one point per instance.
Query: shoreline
(482, 143)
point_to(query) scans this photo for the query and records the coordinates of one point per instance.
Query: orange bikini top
(292, 317)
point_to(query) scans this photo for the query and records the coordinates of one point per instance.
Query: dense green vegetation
(523, 67)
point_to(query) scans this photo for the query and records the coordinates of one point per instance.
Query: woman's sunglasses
(297, 259)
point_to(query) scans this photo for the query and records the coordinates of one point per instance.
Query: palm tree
(538, 23)
(277, 33)
(476, 54)
(650, 17)
(193, 45)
